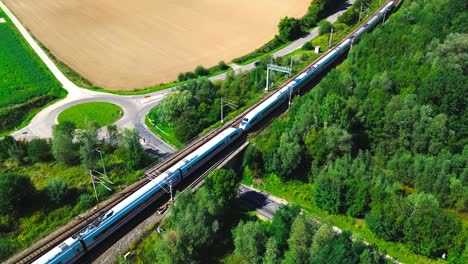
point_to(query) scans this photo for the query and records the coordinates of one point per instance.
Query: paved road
(135, 107)
(254, 200)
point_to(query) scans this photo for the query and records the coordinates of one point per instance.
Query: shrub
(181, 77)
(201, 71)
(222, 65)
(39, 150)
(184, 76)
(324, 27)
(15, 192)
(290, 29)
(85, 201)
(56, 190)
(308, 46)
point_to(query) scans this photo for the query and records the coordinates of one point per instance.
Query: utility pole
(228, 103)
(101, 180)
(94, 185)
(290, 66)
(331, 38)
(170, 189)
(102, 161)
(290, 95)
(360, 11)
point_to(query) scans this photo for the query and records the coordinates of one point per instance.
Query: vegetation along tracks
(74, 227)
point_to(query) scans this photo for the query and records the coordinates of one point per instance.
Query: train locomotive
(76, 246)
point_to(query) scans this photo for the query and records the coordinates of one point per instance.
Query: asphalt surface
(134, 108)
(262, 203)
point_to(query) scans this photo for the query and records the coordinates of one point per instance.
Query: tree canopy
(385, 129)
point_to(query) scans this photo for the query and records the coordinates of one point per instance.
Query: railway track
(30, 254)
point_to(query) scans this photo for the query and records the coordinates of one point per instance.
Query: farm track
(30, 254)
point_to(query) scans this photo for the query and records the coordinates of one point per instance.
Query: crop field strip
(22, 74)
(145, 42)
(25, 82)
(73, 228)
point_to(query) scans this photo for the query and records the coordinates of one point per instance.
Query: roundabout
(134, 107)
(101, 113)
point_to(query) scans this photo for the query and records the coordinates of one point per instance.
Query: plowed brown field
(127, 44)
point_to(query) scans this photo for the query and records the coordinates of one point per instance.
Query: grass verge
(100, 112)
(164, 132)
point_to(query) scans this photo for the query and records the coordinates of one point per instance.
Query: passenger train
(76, 246)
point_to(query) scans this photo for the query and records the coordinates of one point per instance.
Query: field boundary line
(72, 89)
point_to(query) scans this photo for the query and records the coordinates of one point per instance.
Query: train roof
(208, 145)
(272, 99)
(50, 255)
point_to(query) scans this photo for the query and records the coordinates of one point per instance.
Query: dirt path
(133, 44)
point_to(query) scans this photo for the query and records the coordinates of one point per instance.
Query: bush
(185, 76)
(15, 192)
(85, 201)
(222, 65)
(39, 150)
(201, 71)
(56, 190)
(308, 46)
(5, 145)
(290, 29)
(324, 27)
(269, 46)
(6, 248)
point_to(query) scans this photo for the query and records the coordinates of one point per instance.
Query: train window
(245, 119)
(63, 246)
(109, 214)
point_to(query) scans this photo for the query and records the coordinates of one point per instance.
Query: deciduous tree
(249, 241)
(63, 148)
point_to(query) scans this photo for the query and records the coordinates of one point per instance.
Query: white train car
(90, 236)
(74, 247)
(254, 116)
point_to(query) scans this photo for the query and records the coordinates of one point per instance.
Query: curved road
(135, 107)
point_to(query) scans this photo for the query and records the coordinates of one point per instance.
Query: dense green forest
(45, 183)
(384, 136)
(206, 226)
(25, 83)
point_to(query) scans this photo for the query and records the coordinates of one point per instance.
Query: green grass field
(101, 113)
(25, 83)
